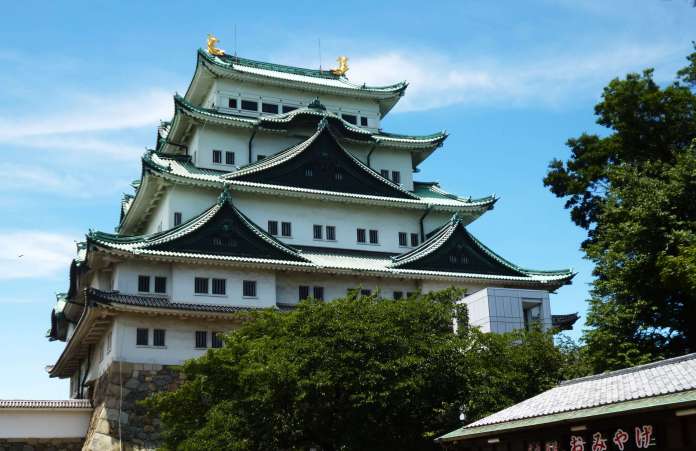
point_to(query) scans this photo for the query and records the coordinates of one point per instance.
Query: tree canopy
(634, 191)
(356, 373)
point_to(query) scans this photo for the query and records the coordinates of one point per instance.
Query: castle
(269, 185)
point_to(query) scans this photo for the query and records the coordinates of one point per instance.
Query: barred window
(363, 121)
(351, 118)
(396, 177)
(201, 285)
(141, 337)
(286, 229)
(308, 172)
(331, 233)
(414, 239)
(318, 232)
(273, 228)
(403, 239)
(144, 284)
(217, 156)
(216, 340)
(361, 236)
(201, 339)
(160, 284)
(319, 293)
(250, 105)
(384, 173)
(158, 337)
(304, 292)
(232, 103)
(249, 289)
(398, 295)
(374, 237)
(229, 157)
(219, 286)
(269, 108)
(177, 218)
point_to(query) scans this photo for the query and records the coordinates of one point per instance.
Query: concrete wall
(501, 310)
(43, 423)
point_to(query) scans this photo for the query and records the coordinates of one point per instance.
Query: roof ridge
(629, 370)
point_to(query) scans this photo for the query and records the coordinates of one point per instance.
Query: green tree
(634, 190)
(357, 373)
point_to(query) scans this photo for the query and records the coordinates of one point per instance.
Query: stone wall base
(41, 444)
(118, 419)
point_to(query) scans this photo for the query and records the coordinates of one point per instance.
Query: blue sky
(83, 85)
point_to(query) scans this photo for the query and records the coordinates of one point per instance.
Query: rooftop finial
(316, 104)
(225, 196)
(342, 66)
(212, 43)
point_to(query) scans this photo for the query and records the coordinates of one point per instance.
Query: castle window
(141, 337)
(158, 337)
(453, 259)
(384, 173)
(232, 103)
(308, 172)
(338, 174)
(414, 239)
(217, 156)
(144, 284)
(396, 177)
(374, 237)
(288, 108)
(249, 288)
(271, 108)
(286, 229)
(217, 241)
(303, 292)
(319, 293)
(403, 239)
(351, 118)
(216, 340)
(365, 292)
(219, 287)
(177, 218)
(229, 157)
(160, 284)
(363, 121)
(250, 105)
(361, 236)
(200, 285)
(273, 228)
(318, 235)
(398, 295)
(330, 233)
(201, 339)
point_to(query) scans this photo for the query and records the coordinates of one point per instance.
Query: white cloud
(436, 80)
(34, 254)
(90, 113)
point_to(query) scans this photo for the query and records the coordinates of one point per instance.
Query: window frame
(230, 101)
(384, 173)
(216, 341)
(286, 225)
(248, 102)
(403, 239)
(222, 284)
(200, 336)
(228, 154)
(415, 240)
(350, 118)
(361, 237)
(374, 233)
(159, 335)
(397, 295)
(158, 280)
(272, 227)
(144, 278)
(318, 232)
(330, 233)
(251, 284)
(363, 121)
(318, 293)
(270, 104)
(142, 333)
(396, 177)
(217, 156)
(303, 292)
(178, 218)
(196, 281)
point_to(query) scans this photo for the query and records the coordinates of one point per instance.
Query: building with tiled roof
(650, 406)
(269, 185)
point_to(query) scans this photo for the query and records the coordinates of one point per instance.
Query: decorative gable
(453, 249)
(320, 163)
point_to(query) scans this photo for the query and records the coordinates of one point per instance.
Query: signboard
(632, 438)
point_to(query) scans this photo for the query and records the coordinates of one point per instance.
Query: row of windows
(362, 236)
(317, 292)
(319, 232)
(367, 292)
(403, 239)
(275, 108)
(144, 285)
(218, 287)
(395, 175)
(217, 157)
(285, 228)
(159, 338)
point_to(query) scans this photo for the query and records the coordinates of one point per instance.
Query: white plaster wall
(336, 286)
(345, 217)
(43, 423)
(190, 201)
(126, 275)
(160, 218)
(394, 160)
(222, 89)
(183, 286)
(179, 339)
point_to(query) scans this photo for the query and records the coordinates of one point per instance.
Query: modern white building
(269, 185)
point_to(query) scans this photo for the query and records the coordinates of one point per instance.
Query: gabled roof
(221, 232)
(320, 162)
(664, 383)
(453, 248)
(314, 81)
(171, 132)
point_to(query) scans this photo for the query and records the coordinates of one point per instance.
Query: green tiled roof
(282, 120)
